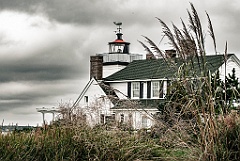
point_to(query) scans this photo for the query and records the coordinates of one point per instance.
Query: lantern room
(119, 45)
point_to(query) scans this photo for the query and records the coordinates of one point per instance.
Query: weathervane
(119, 26)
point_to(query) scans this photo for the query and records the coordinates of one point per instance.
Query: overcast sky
(45, 44)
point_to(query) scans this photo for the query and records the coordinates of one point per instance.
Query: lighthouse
(117, 58)
(118, 46)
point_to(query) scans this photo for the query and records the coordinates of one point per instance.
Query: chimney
(150, 56)
(170, 53)
(96, 67)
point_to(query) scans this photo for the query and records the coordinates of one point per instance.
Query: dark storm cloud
(70, 11)
(55, 56)
(10, 104)
(40, 79)
(92, 12)
(43, 66)
(35, 72)
(25, 94)
(104, 12)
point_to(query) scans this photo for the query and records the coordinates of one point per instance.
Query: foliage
(224, 100)
(190, 108)
(232, 87)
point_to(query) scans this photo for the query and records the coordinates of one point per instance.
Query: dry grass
(84, 143)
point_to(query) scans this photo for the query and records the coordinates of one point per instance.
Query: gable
(92, 90)
(232, 62)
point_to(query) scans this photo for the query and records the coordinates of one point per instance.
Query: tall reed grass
(190, 107)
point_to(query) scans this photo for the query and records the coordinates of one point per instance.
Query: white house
(94, 103)
(128, 89)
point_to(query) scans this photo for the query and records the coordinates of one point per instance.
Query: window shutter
(141, 89)
(129, 89)
(149, 89)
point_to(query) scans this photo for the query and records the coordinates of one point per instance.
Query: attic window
(86, 99)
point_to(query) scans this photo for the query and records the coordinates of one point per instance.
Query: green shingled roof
(158, 68)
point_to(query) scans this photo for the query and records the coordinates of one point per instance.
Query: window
(121, 118)
(144, 122)
(102, 119)
(130, 119)
(110, 120)
(86, 99)
(136, 89)
(155, 89)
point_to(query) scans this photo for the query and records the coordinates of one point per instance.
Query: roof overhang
(135, 80)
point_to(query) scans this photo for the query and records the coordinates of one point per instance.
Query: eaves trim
(134, 80)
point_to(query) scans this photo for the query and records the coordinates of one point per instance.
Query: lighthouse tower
(118, 57)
